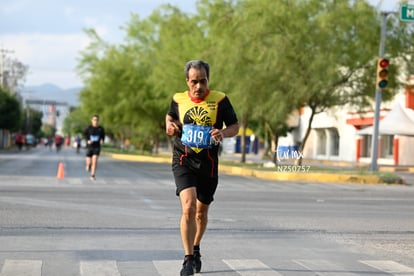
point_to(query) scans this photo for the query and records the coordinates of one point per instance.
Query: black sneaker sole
(187, 270)
(186, 273)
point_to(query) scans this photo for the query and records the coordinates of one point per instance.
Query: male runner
(94, 136)
(197, 117)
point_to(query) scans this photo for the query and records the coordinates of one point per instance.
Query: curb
(273, 175)
(138, 158)
(308, 176)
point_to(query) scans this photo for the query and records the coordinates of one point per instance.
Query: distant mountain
(49, 91)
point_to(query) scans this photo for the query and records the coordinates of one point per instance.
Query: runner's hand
(217, 135)
(171, 128)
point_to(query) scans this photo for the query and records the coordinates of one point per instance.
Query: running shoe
(188, 267)
(197, 261)
(92, 178)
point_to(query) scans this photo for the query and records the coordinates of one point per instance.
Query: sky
(47, 35)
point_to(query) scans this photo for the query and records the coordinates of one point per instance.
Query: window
(321, 142)
(366, 145)
(334, 142)
(387, 146)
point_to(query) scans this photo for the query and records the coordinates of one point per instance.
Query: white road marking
(250, 267)
(99, 268)
(324, 268)
(168, 268)
(391, 267)
(22, 268)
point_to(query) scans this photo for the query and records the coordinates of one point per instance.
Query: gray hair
(198, 64)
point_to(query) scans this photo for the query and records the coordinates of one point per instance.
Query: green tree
(231, 53)
(333, 66)
(76, 122)
(48, 130)
(139, 78)
(32, 121)
(272, 57)
(10, 111)
(323, 55)
(162, 52)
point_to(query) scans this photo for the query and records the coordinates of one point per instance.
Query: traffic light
(382, 73)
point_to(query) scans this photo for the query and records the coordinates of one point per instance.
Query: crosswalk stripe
(22, 268)
(250, 267)
(390, 267)
(99, 268)
(168, 268)
(324, 268)
(244, 267)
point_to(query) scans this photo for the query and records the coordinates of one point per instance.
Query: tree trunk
(268, 138)
(276, 141)
(305, 138)
(243, 140)
(155, 145)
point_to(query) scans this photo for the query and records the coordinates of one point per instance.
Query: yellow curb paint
(140, 158)
(269, 175)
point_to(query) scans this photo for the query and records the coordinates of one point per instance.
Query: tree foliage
(75, 123)
(271, 57)
(10, 111)
(31, 121)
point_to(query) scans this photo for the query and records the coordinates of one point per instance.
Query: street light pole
(378, 96)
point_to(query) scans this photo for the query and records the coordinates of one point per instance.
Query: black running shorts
(93, 151)
(205, 184)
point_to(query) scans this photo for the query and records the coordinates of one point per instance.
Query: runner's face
(197, 83)
(95, 121)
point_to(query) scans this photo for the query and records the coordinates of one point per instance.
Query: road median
(320, 177)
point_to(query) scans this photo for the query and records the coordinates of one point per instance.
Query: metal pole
(378, 96)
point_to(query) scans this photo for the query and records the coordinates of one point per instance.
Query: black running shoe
(197, 261)
(188, 267)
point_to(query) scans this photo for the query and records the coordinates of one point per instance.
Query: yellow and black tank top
(215, 110)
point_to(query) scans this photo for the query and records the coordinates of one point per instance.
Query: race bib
(95, 138)
(196, 136)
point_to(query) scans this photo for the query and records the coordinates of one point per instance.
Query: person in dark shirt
(94, 136)
(19, 140)
(197, 118)
(58, 142)
(78, 141)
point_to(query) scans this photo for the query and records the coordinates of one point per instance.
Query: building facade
(340, 135)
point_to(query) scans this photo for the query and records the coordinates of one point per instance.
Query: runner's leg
(94, 164)
(188, 225)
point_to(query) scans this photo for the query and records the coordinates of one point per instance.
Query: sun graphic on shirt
(198, 116)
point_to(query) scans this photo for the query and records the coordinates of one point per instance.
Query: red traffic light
(383, 63)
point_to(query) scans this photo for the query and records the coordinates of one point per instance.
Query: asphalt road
(126, 223)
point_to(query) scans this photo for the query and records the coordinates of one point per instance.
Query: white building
(340, 135)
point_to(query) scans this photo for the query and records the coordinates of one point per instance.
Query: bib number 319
(196, 136)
